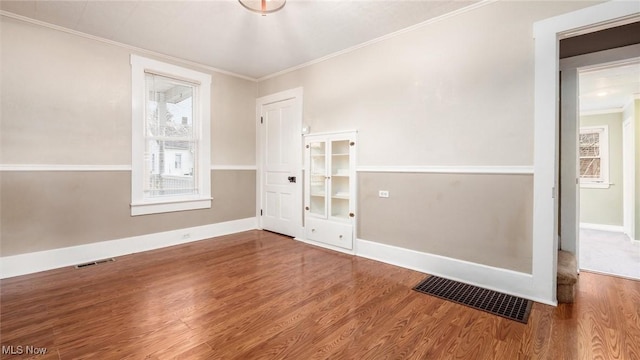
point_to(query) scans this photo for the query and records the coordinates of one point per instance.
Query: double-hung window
(170, 138)
(594, 156)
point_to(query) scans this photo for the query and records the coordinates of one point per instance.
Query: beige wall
(457, 92)
(47, 210)
(604, 205)
(463, 216)
(67, 100)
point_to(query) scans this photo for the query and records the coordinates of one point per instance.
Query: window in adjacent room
(594, 156)
(171, 138)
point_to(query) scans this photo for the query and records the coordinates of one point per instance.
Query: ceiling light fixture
(263, 7)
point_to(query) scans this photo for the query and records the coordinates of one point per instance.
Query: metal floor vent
(97, 262)
(493, 302)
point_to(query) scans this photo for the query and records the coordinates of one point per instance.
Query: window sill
(595, 185)
(146, 208)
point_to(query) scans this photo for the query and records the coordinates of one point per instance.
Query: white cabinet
(330, 188)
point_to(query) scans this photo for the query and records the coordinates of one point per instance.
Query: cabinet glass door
(340, 171)
(318, 178)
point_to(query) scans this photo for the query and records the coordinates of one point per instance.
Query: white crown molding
(29, 263)
(122, 45)
(493, 278)
(498, 170)
(210, 68)
(382, 38)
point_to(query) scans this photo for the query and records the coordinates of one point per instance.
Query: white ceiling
(610, 87)
(224, 35)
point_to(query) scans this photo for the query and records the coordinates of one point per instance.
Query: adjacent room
(607, 169)
(271, 179)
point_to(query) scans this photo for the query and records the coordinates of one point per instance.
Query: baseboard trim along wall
(502, 280)
(23, 264)
(602, 227)
(325, 246)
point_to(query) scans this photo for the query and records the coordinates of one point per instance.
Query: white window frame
(141, 205)
(603, 181)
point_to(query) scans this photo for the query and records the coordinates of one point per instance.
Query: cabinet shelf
(343, 197)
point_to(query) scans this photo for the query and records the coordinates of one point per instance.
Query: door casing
(547, 33)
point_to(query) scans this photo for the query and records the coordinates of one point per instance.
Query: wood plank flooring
(258, 295)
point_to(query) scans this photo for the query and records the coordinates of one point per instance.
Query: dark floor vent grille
(493, 302)
(97, 262)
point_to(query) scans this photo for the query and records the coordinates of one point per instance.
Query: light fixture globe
(263, 7)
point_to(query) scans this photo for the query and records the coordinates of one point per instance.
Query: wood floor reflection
(258, 295)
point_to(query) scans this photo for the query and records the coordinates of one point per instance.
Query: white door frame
(547, 33)
(629, 174)
(296, 94)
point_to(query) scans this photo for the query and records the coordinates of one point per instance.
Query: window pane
(590, 144)
(170, 144)
(169, 107)
(590, 168)
(169, 168)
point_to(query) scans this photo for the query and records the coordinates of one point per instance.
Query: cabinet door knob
(352, 214)
(313, 230)
(340, 236)
(306, 208)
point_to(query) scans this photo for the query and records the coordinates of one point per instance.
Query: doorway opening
(606, 160)
(547, 188)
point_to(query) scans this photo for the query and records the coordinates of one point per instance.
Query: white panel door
(281, 162)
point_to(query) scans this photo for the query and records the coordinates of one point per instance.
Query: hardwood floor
(258, 295)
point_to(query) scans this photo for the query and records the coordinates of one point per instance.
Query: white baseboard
(502, 280)
(601, 227)
(326, 246)
(23, 264)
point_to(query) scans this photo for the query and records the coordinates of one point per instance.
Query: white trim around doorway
(547, 33)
